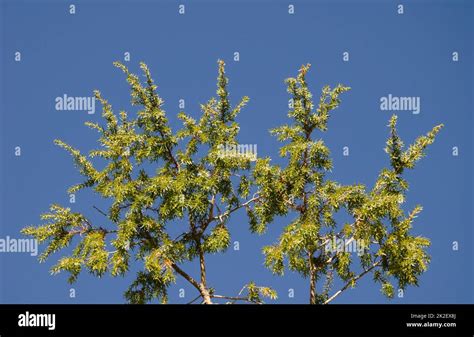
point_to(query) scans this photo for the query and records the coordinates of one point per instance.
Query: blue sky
(403, 55)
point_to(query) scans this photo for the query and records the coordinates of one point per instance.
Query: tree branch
(354, 279)
(100, 211)
(235, 298)
(198, 297)
(199, 286)
(226, 213)
(186, 276)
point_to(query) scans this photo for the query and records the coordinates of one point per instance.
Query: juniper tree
(155, 179)
(314, 243)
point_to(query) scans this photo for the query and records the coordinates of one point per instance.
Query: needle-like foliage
(156, 179)
(313, 243)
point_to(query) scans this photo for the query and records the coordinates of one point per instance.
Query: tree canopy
(155, 177)
(313, 243)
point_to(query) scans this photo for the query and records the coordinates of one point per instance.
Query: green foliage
(255, 293)
(192, 183)
(252, 293)
(155, 178)
(301, 189)
(218, 240)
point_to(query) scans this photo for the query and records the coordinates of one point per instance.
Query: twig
(186, 276)
(195, 299)
(235, 298)
(100, 211)
(226, 213)
(354, 279)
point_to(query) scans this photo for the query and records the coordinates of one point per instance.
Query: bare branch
(198, 297)
(100, 211)
(186, 276)
(352, 280)
(226, 213)
(235, 298)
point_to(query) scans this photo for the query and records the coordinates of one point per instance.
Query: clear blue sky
(402, 55)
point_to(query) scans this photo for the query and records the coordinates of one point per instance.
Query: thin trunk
(203, 286)
(205, 295)
(199, 286)
(312, 280)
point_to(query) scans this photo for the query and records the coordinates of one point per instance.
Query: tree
(154, 178)
(314, 244)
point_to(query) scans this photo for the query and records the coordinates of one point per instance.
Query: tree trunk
(203, 286)
(205, 294)
(312, 280)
